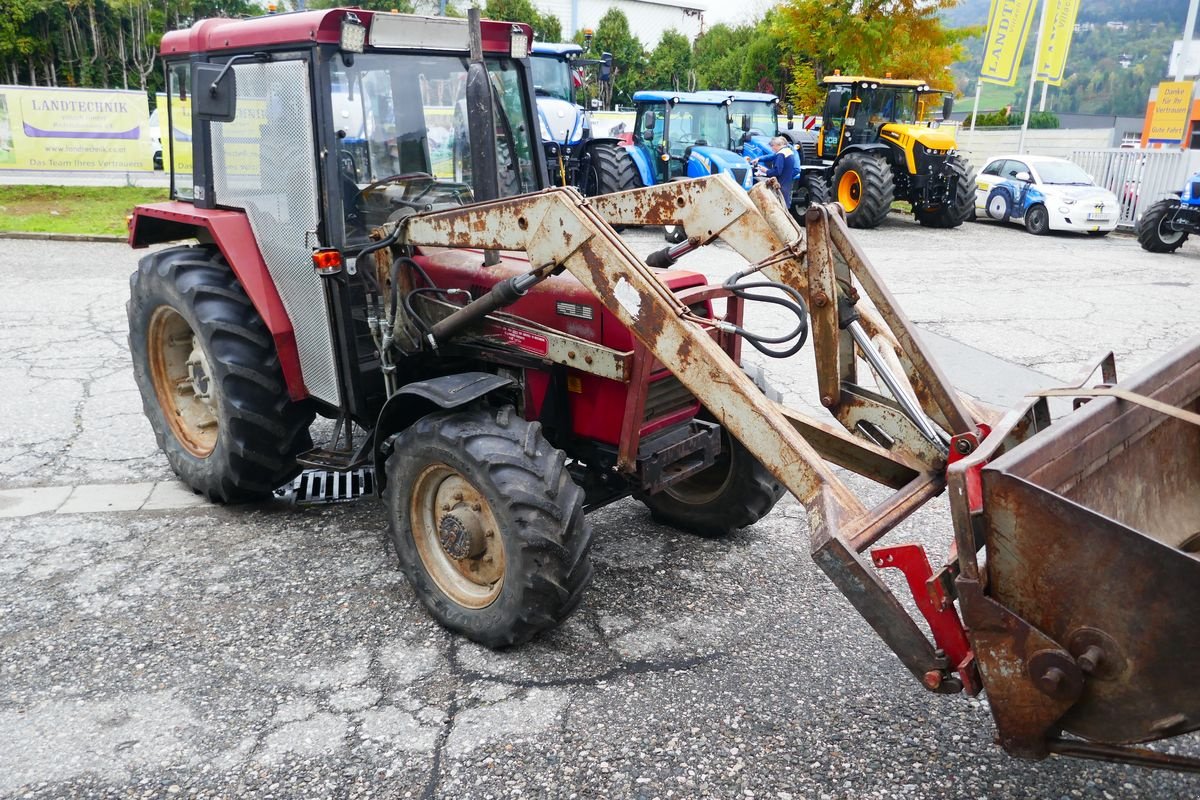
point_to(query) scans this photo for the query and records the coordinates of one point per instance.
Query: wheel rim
(1165, 234)
(182, 381)
(708, 484)
(1038, 219)
(457, 537)
(996, 207)
(850, 190)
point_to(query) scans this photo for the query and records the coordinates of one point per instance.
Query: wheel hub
(197, 366)
(462, 536)
(182, 379)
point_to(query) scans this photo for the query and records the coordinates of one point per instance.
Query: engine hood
(940, 138)
(712, 160)
(561, 122)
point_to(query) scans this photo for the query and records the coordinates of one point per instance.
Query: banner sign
(1009, 22)
(1172, 111)
(53, 129)
(1058, 26)
(177, 142)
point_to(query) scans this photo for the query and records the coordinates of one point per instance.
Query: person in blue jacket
(783, 166)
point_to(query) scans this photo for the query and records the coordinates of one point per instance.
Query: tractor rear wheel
(612, 170)
(210, 378)
(488, 524)
(961, 207)
(1153, 233)
(864, 186)
(816, 188)
(734, 492)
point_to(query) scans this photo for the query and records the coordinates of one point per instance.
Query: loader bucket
(1084, 615)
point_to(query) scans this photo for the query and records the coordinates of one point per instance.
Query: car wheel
(1037, 220)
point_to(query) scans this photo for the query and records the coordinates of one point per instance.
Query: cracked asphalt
(277, 651)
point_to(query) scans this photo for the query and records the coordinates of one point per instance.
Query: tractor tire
(864, 186)
(1151, 233)
(961, 208)
(1037, 220)
(734, 492)
(488, 524)
(816, 189)
(210, 378)
(612, 170)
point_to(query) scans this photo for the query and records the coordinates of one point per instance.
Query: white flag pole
(1037, 49)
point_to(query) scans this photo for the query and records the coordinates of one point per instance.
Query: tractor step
(320, 486)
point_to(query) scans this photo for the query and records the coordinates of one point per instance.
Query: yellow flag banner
(74, 129)
(1009, 22)
(177, 142)
(1057, 28)
(1172, 107)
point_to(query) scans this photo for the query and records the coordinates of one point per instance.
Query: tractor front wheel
(816, 189)
(864, 186)
(611, 170)
(734, 492)
(959, 207)
(210, 378)
(488, 524)
(1154, 232)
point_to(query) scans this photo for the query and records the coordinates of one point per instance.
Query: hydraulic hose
(792, 301)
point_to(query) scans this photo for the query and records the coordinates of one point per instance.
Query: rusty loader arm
(1056, 651)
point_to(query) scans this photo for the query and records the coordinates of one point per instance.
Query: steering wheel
(370, 187)
(687, 139)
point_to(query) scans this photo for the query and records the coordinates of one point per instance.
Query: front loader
(507, 364)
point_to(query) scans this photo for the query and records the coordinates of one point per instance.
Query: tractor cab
(561, 81)
(755, 119)
(865, 111)
(685, 135)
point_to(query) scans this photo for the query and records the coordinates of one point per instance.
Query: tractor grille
(738, 173)
(666, 396)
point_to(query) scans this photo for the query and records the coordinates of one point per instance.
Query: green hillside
(1110, 70)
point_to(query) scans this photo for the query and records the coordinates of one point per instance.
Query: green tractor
(880, 145)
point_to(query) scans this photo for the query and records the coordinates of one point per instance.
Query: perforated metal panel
(264, 162)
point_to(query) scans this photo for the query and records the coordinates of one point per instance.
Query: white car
(1045, 193)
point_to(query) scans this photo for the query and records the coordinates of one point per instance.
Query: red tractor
(293, 138)
(376, 245)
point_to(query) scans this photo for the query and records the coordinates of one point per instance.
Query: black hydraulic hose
(794, 303)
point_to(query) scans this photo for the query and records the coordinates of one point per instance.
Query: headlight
(1070, 201)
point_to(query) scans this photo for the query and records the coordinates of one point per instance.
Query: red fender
(230, 230)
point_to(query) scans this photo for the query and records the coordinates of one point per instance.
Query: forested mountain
(1111, 67)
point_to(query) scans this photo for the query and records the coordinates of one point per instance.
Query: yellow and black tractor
(880, 144)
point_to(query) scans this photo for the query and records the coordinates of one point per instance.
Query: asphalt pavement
(153, 645)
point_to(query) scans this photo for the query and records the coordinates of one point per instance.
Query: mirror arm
(259, 56)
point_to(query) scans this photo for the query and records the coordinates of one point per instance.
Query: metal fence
(1138, 177)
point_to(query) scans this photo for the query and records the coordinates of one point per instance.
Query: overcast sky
(734, 13)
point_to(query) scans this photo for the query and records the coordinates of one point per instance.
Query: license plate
(1097, 218)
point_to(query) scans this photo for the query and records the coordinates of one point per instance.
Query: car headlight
(1070, 201)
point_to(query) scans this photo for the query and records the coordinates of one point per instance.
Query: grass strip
(90, 210)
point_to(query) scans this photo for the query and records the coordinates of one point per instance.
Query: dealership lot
(152, 644)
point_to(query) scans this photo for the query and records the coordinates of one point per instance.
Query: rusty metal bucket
(1078, 574)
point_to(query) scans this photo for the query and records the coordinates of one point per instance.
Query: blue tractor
(1166, 225)
(574, 156)
(755, 121)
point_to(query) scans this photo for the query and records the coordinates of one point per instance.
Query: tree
(629, 59)
(766, 62)
(546, 27)
(719, 54)
(670, 65)
(903, 37)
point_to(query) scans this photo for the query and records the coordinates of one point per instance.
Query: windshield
(1063, 172)
(551, 77)
(762, 117)
(403, 140)
(890, 104)
(698, 124)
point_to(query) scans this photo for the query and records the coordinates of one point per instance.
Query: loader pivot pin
(938, 610)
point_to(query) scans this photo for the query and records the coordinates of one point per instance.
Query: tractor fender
(864, 148)
(231, 232)
(420, 398)
(642, 162)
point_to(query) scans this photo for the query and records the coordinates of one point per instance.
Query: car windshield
(402, 119)
(551, 77)
(1063, 172)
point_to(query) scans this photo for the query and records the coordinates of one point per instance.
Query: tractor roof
(686, 98)
(556, 48)
(324, 27)
(909, 83)
(753, 97)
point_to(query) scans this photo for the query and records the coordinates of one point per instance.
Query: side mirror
(1023, 176)
(605, 67)
(791, 124)
(947, 107)
(214, 92)
(745, 122)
